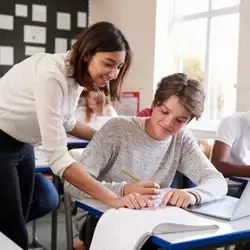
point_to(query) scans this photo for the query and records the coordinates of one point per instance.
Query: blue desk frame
(214, 241)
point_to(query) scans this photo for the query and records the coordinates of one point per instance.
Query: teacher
(38, 98)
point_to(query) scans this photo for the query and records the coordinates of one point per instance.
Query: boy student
(154, 148)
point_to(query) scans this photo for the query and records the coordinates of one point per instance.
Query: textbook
(129, 229)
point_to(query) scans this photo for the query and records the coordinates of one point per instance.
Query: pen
(130, 176)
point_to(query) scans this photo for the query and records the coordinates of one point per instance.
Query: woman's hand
(179, 198)
(132, 200)
(149, 189)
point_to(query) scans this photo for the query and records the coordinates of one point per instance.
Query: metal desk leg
(35, 243)
(54, 218)
(68, 221)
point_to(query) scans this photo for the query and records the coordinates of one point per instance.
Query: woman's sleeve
(49, 93)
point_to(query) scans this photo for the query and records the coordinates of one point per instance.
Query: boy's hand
(132, 200)
(179, 198)
(147, 188)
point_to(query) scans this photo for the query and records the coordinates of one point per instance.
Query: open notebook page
(127, 229)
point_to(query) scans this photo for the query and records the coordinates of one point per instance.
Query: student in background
(231, 153)
(93, 104)
(45, 198)
(153, 149)
(38, 97)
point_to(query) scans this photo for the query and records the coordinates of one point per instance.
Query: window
(204, 44)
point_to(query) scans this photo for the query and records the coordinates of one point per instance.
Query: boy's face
(168, 118)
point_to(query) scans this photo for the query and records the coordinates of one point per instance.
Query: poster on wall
(129, 104)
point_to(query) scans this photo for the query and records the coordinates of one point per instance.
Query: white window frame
(204, 128)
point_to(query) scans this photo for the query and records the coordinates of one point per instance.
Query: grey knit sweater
(123, 144)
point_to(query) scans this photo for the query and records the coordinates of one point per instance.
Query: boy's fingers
(150, 191)
(148, 184)
(166, 198)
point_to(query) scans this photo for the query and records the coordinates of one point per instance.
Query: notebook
(227, 208)
(129, 229)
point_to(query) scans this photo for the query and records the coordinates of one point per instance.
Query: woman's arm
(49, 95)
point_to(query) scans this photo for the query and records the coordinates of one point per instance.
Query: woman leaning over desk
(38, 97)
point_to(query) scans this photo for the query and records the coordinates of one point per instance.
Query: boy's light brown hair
(189, 90)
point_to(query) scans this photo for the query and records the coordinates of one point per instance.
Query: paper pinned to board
(31, 50)
(34, 34)
(63, 21)
(39, 13)
(6, 55)
(61, 45)
(6, 22)
(21, 10)
(81, 19)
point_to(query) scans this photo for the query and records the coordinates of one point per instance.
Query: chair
(206, 146)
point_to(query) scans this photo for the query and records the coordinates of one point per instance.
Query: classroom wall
(136, 18)
(38, 26)
(243, 84)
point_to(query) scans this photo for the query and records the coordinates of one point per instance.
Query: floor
(44, 230)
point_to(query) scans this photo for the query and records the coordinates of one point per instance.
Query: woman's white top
(38, 103)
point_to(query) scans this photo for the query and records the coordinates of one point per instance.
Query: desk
(7, 243)
(76, 143)
(229, 233)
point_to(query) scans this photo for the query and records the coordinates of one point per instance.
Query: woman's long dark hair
(100, 37)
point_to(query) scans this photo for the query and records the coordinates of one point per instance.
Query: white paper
(34, 34)
(81, 19)
(61, 45)
(39, 13)
(6, 22)
(21, 10)
(115, 228)
(31, 50)
(63, 21)
(6, 55)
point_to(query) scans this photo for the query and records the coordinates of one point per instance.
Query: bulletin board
(129, 104)
(32, 26)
